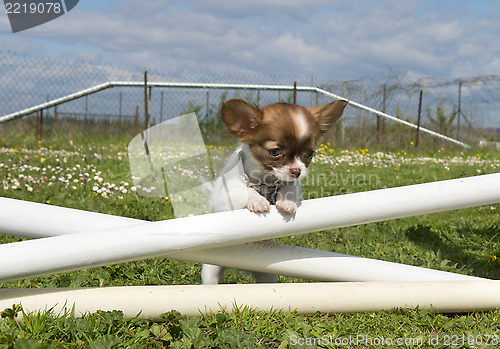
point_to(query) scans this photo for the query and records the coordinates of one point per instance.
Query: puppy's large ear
(328, 114)
(240, 117)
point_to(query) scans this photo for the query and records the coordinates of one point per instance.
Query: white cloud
(264, 8)
(324, 38)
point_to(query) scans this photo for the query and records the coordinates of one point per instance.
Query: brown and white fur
(277, 145)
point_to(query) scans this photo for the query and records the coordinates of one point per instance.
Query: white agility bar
(159, 239)
(262, 256)
(112, 84)
(148, 302)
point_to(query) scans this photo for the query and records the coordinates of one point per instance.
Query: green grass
(95, 177)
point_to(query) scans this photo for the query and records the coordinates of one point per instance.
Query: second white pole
(148, 302)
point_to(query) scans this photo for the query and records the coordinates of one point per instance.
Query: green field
(95, 176)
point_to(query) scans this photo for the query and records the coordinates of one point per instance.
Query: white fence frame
(111, 84)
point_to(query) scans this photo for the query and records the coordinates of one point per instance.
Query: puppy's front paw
(286, 206)
(258, 204)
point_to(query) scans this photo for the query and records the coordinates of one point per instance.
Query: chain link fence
(466, 109)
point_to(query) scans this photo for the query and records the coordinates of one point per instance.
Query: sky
(448, 39)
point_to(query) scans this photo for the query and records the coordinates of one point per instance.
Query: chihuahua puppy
(277, 144)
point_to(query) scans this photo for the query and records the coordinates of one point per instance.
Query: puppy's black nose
(295, 172)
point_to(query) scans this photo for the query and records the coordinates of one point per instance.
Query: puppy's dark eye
(310, 154)
(275, 152)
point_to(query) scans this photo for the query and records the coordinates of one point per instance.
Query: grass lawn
(95, 176)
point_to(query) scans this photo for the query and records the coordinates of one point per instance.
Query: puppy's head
(281, 137)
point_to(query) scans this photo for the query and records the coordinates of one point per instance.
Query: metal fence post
(161, 107)
(146, 116)
(120, 123)
(136, 123)
(56, 116)
(379, 118)
(342, 120)
(362, 113)
(459, 108)
(417, 138)
(41, 123)
(295, 92)
(207, 106)
(37, 125)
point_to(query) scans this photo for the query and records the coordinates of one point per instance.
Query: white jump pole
(305, 298)
(267, 257)
(158, 239)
